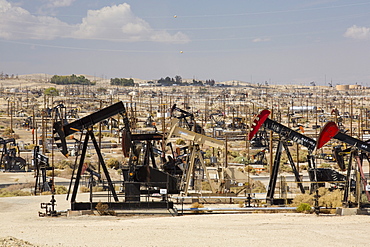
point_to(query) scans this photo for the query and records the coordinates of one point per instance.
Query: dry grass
(197, 205)
(329, 199)
(103, 209)
(16, 190)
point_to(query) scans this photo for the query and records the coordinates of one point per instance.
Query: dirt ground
(21, 224)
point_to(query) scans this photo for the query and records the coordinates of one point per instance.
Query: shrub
(302, 158)
(59, 189)
(84, 189)
(241, 159)
(197, 205)
(15, 190)
(97, 189)
(286, 168)
(64, 164)
(29, 146)
(258, 187)
(304, 208)
(325, 165)
(113, 163)
(250, 169)
(50, 173)
(180, 142)
(233, 154)
(303, 198)
(303, 167)
(103, 209)
(206, 185)
(66, 173)
(327, 198)
(8, 131)
(330, 198)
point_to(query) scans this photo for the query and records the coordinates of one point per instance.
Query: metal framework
(195, 153)
(331, 130)
(9, 159)
(285, 134)
(135, 176)
(41, 163)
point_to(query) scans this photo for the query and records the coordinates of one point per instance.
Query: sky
(279, 42)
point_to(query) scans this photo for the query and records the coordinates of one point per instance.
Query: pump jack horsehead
(331, 130)
(285, 134)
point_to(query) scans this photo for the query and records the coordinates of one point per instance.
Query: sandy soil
(20, 220)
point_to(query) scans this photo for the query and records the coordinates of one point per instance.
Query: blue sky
(281, 42)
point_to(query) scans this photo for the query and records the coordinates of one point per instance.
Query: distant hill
(42, 80)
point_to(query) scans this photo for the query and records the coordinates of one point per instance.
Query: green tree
(51, 91)
(72, 79)
(122, 82)
(178, 79)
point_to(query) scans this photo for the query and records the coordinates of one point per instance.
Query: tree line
(167, 81)
(178, 81)
(122, 82)
(70, 79)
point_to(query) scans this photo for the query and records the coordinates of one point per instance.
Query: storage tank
(342, 87)
(354, 87)
(303, 109)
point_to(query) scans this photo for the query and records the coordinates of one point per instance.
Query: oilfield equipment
(217, 120)
(317, 176)
(150, 175)
(285, 134)
(41, 165)
(195, 154)
(355, 179)
(10, 159)
(145, 184)
(141, 176)
(186, 119)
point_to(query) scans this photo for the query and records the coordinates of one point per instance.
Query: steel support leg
(274, 174)
(294, 168)
(101, 160)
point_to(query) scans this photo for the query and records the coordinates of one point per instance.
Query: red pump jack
(285, 134)
(330, 131)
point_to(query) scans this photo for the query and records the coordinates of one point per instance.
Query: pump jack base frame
(76, 206)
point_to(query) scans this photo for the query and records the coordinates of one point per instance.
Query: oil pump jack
(85, 124)
(41, 164)
(195, 154)
(285, 134)
(10, 159)
(186, 119)
(359, 151)
(136, 175)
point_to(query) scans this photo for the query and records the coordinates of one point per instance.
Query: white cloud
(18, 23)
(114, 23)
(117, 22)
(256, 40)
(59, 3)
(356, 32)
